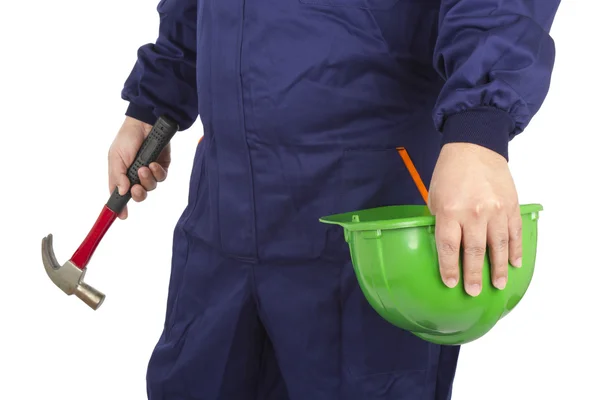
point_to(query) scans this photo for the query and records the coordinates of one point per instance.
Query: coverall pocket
(366, 4)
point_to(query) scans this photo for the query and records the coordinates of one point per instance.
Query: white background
(62, 66)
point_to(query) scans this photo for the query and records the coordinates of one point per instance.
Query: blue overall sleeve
(163, 80)
(496, 57)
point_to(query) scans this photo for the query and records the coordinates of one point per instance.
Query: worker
(303, 105)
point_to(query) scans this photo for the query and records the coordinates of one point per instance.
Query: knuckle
(472, 278)
(500, 243)
(449, 209)
(517, 232)
(138, 191)
(448, 248)
(448, 268)
(472, 274)
(475, 250)
(498, 258)
(497, 205)
(478, 209)
(483, 208)
(499, 261)
(516, 248)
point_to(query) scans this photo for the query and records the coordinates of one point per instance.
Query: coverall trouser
(241, 331)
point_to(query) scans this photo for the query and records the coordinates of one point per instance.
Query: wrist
(142, 114)
(130, 121)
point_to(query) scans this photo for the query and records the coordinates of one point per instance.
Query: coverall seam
(248, 102)
(213, 57)
(246, 82)
(222, 252)
(242, 111)
(170, 323)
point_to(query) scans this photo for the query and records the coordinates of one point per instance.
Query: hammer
(70, 276)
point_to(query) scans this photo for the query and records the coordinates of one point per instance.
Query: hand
(122, 154)
(473, 196)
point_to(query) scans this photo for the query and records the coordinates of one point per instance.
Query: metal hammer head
(68, 277)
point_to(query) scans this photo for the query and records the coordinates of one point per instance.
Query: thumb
(123, 183)
(118, 178)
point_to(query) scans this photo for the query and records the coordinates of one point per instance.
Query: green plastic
(394, 256)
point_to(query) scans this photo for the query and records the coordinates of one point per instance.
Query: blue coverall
(303, 104)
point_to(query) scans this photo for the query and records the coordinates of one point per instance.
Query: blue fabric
(303, 104)
(272, 331)
(163, 80)
(494, 53)
(486, 126)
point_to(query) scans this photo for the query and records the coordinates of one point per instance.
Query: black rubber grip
(161, 134)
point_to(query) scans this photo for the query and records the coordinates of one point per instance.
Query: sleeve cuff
(141, 114)
(488, 127)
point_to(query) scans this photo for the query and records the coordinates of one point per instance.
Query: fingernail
(144, 173)
(518, 262)
(500, 283)
(120, 190)
(473, 289)
(451, 282)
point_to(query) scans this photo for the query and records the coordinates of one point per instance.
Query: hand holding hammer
(122, 154)
(135, 166)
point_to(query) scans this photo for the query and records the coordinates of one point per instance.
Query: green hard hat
(394, 255)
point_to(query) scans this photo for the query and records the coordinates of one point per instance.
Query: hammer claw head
(48, 257)
(69, 277)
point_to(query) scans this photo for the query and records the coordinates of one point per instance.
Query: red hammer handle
(84, 253)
